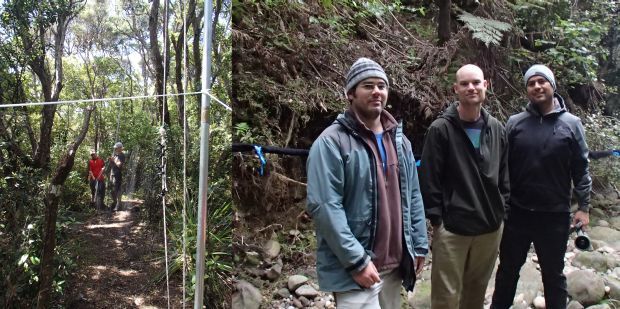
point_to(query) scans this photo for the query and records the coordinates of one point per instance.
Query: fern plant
(489, 31)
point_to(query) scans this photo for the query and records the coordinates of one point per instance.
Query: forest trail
(118, 260)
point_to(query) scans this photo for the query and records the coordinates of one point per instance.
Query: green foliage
(488, 31)
(567, 37)
(603, 133)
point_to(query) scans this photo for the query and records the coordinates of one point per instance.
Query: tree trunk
(443, 21)
(51, 199)
(157, 61)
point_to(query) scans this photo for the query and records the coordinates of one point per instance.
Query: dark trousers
(549, 233)
(116, 192)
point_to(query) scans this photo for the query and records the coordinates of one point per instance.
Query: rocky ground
(273, 273)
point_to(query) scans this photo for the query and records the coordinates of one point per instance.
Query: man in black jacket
(464, 180)
(547, 150)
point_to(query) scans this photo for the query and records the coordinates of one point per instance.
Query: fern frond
(489, 31)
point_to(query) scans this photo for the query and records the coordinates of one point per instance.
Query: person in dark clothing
(464, 179)
(117, 161)
(365, 200)
(96, 179)
(547, 151)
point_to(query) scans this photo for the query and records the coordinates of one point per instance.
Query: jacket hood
(350, 121)
(558, 102)
(452, 114)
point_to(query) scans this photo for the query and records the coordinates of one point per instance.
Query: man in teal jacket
(464, 177)
(365, 200)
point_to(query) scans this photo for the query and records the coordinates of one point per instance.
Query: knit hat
(362, 69)
(540, 70)
(118, 145)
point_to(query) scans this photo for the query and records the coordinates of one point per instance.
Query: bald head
(469, 69)
(470, 86)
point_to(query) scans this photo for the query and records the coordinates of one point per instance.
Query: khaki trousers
(385, 294)
(461, 268)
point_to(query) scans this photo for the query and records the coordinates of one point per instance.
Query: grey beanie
(540, 70)
(362, 69)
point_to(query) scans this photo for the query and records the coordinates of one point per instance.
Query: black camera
(582, 242)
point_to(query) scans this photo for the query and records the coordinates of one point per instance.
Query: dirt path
(118, 259)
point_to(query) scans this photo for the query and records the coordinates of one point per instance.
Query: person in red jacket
(96, 179)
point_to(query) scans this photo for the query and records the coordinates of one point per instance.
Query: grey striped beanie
(540, 70)
(362, 69)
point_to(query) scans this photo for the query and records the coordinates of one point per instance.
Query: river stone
(596, 260)
(615, 222)
(296, 281)
(307, 291)
(539, 302)
(597, 212)
(304, 301)
(283, 293)
(272, 248)
(246, 296)
(530, 282)
(297, 303)
(614, 287)
(602, 223)
(585, 287)
(574, 305)
(605, 234)
(602, 306)
(274, 272)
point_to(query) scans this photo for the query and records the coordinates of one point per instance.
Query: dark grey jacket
(465, 188)
(546, 153)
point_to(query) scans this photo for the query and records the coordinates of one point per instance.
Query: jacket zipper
(373, 220)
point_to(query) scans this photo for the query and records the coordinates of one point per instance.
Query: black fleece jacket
(546, 154)
(462, 187)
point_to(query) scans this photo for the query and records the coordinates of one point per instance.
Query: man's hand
(581, 216)
(368, 276)
(419, 264)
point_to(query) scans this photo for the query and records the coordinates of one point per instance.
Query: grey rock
(603, 306)
(272, 249)
(585, 287)
(602, 223)
(530, 282)
(605, 234)
(596, 260)
(297, 303)
(597, 212)
(539, 302)
(296, 281)
(274, 272)
(614, 287)
(307, 291)
(615, 223)
(246, 296)
(574, 305)
(320, 304)
(283, 293)
(304, 301)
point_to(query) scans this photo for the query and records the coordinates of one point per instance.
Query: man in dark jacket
(365, 200)
(547, 151)
(464, 179)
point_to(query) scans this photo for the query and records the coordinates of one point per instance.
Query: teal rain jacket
(342, 199)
